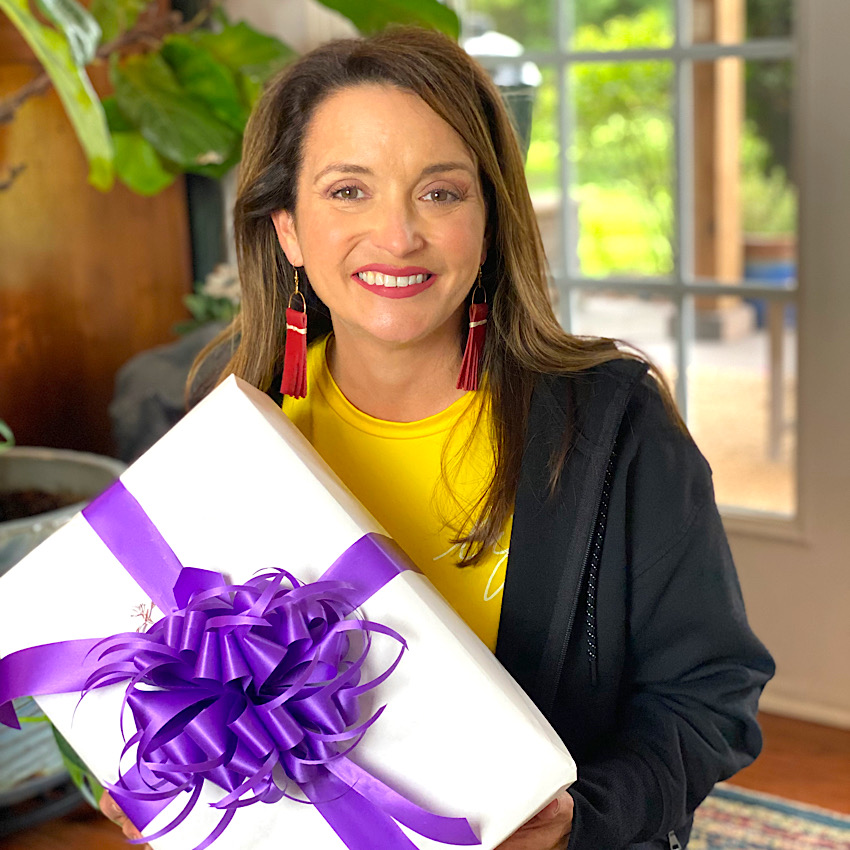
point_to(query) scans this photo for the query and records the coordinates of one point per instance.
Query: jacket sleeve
(693, 669)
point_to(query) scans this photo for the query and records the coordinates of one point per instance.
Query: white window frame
(681, 286)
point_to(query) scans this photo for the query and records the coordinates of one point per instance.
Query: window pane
(620, 24)
(643, 321)
(769, 18)
(531, 24)
(745, 202)
(742, 411)
(621, 160)
(541, 168)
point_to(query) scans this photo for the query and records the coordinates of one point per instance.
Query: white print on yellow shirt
(500, 550)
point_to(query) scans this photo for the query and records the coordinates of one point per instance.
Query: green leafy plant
(81, 775)
(768, 198)
(7, 438)
(182, 90)
(622, 148)
(215, 299)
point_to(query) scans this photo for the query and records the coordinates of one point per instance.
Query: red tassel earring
(294, 382)
(471, 364)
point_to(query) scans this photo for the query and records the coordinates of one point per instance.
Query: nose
(397, 228)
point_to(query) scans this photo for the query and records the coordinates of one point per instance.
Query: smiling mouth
(391, 281)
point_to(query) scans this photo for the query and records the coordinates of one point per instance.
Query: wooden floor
(801, 761)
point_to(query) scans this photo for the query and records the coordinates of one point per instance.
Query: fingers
(561, 804)
(549, 829)
(111, 809)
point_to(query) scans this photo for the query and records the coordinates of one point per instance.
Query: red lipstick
(396, 271)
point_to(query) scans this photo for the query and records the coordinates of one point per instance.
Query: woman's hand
(110, 808)
(549, 829)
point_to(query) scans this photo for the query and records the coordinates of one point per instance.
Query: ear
(284, 225)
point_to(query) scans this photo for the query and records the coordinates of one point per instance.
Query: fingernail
(111, 810)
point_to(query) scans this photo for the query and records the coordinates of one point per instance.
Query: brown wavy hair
(524, 338)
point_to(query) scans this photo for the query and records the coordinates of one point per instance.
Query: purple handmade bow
(252, 687)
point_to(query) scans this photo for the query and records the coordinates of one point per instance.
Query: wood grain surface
(87, 279)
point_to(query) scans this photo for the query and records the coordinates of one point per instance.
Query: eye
(347, 193)
(441, 196)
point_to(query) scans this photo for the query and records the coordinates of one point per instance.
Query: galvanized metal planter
(30, 762)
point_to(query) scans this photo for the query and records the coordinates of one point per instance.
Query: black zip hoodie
(622, 615)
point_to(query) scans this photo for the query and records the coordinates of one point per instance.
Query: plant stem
(147, 34)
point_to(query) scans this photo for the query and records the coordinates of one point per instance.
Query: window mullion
(565, 170)
(683, 270)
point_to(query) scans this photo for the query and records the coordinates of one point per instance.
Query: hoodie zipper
(674, 842)
(592, 561)
(603, 500)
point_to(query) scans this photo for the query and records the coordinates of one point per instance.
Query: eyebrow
(351, 168)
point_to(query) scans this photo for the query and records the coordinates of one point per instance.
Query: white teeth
(378, 279)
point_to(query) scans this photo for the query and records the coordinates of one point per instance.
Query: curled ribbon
(253, 687)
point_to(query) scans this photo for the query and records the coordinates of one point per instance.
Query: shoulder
(665, 480)
(587, 407)
(617, 413)
(622, 397)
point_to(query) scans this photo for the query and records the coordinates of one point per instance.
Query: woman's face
(389, 219)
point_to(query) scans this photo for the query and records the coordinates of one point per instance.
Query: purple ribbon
(254, 687)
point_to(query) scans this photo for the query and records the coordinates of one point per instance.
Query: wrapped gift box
(236, 488)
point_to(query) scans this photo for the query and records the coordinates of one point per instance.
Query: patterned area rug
(736, 819)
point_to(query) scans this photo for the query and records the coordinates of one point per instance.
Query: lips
(394, 281)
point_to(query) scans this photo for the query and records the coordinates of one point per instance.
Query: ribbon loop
(248, 686)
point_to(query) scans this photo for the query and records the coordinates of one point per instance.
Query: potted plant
(40, 489)
(181, 90)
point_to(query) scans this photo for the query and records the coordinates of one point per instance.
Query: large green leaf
(201, 75)
(373, 16)
(76, 24)
(137, 164)
(117, 16)
(116, 120)
(182, 130)
(73, 86)
(251, 55)
(7, 438)
(80, 773)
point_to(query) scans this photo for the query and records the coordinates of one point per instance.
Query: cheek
(465, 245)
(328, 240)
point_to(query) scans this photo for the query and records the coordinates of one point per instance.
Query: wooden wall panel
(87, 279)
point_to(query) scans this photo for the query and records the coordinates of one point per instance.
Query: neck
(399, 383)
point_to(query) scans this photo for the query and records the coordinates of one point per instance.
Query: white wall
(302, 24)
(798, 591)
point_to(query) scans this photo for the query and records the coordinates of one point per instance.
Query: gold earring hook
(297, 292)
(479, 285)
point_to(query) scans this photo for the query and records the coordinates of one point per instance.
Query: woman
(561, 507)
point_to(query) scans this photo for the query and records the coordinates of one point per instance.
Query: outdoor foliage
(622, 137)
(769, 83)
(181, 104)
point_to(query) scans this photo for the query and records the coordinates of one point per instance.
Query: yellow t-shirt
(394, 469)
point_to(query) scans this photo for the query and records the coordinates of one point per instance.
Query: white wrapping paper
(235, 488)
